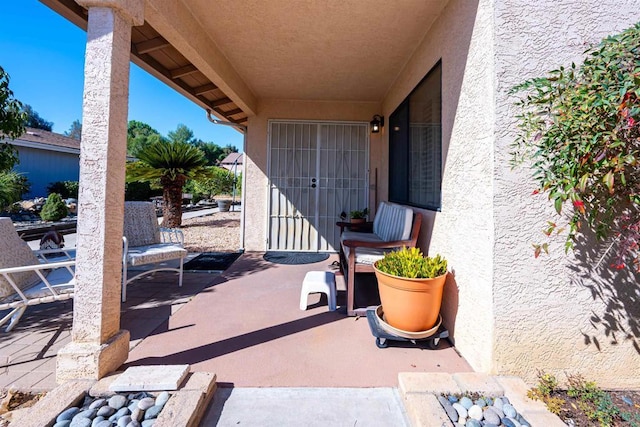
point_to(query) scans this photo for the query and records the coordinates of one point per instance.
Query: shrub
(221, 182)
(12, 186)
(140, 191)
(579, 131)
(66, 189)
(54, 208)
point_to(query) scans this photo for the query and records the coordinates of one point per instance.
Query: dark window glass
(415, 145)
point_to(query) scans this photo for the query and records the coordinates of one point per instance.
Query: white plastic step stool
(319, 281)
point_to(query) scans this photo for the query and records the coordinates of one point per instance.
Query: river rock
(462, 412)
(473, 423)
(117, 401)
(491, 416)
(97, 404)
(152, 412)
(466, 402)
(121, 413)
(522, 421)
(80, 422)
(137, 414)
(106, 411)
(509, 411)
(146, 403)
(87, 413)
(124, 421)
(498, 403)
(68, 414)
(162, 398)
(507, 422)
(475, 412)
(96, 421)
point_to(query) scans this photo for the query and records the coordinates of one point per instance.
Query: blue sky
(44, 56)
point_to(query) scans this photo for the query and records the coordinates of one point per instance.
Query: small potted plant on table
(358, 217)
(410, 286)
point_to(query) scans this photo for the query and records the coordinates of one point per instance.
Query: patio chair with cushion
(145, 243)
(393, 227)
(26, 276)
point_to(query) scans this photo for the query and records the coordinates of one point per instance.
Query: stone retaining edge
(419, 390)
(186, 407)
(45, 411)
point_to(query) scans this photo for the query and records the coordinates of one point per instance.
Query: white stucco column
(98, 345)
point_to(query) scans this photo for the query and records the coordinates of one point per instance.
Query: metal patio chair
(145, 242)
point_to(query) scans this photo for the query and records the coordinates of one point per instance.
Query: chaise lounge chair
(28, 278)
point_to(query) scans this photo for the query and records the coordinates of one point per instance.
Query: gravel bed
(218, 232)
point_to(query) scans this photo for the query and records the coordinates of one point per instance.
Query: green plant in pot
(359, 215)
(410, 286)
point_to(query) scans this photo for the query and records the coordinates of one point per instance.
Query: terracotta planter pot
(411, 305)
(358, 220)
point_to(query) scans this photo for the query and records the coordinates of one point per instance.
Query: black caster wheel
(381, 343)
(433, 344)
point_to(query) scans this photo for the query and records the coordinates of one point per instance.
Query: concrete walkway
(284, 407)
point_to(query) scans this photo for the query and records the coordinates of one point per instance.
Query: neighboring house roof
(45, 140)
(232, 158)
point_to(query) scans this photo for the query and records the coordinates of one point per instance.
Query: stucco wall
(256, 150)
(545, 314)
(463, 230)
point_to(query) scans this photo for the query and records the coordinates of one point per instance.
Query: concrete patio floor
(245, 325)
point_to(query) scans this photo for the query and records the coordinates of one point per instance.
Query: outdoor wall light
(376, 123)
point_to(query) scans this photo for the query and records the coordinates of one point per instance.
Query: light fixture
(376, 123)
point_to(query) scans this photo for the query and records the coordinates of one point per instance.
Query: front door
(317, 170)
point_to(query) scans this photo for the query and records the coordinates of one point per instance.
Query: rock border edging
(419, 391)
(186, 407)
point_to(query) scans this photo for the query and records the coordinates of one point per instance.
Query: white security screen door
(316, 172)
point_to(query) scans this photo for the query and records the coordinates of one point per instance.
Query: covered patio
(245, 325)
(303, 83)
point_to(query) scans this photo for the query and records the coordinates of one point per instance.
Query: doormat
(294, 258)
(212, 261)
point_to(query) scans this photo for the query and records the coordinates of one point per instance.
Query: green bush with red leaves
(579, 131)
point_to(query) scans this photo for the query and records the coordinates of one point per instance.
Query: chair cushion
(366, 255)
(149, 254)
(394, 223)
(15, 252)
(141, 224)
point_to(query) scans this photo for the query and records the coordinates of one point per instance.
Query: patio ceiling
(227, 55)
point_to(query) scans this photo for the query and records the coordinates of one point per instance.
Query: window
(415, 145)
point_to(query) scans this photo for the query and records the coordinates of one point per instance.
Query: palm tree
(171, 164)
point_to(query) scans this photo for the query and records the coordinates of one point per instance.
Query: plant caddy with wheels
(410, 286)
